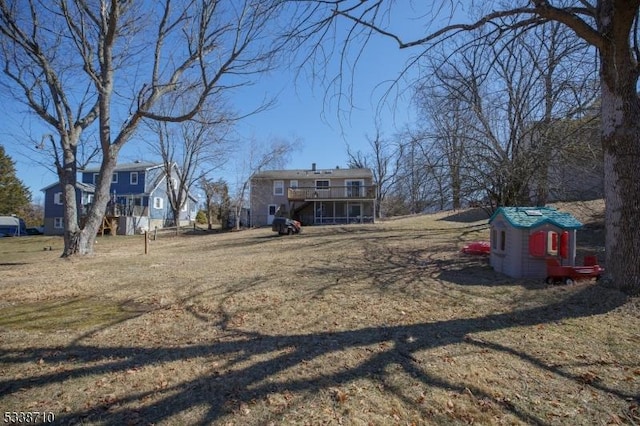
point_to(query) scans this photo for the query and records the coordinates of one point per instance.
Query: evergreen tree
(14, 195)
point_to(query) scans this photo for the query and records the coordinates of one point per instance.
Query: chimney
(313, 167)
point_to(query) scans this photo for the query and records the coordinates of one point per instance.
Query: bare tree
(217, 201)
(114, 63)
(609, 26)
(447, 118)
(414, 182)
(261, 157)
(382, 158)
(490, 109)
(189, 151)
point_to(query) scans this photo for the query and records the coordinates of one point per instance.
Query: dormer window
(114, 178)
(133, 178)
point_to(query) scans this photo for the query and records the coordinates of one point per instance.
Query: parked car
(34, 231)
(282, 226)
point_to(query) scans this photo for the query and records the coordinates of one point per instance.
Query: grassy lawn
(362, 324)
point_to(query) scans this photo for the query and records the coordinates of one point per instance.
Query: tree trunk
(621, 146)
(621, 136)
(176, 219)
(67, 174)
(80, 241)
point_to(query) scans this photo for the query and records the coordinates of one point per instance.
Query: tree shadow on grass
(256, 360)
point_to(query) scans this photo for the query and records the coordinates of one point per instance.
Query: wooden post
(146, 242)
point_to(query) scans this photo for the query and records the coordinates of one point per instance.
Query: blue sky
(301, 112)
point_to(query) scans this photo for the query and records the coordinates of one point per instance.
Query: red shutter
(564, 245)
(537, 244)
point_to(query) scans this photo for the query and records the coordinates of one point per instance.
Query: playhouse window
(503, 240)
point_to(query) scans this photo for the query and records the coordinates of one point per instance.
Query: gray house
(313, 196)
(523, 238)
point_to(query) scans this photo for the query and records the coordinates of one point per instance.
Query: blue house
(139, 199)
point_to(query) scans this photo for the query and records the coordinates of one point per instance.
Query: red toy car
(478, 247)
(557, 273)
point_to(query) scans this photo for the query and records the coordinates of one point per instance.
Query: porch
(333, 212)
(355, 191)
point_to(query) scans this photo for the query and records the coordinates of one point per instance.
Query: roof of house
(85, 187)
(126, 167)
(531, 217)
(313, 174)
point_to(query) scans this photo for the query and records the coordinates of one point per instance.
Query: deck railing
(365, 192)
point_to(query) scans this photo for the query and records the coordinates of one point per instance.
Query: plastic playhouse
(538, 242)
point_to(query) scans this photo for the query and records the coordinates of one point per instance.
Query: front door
(271, 214)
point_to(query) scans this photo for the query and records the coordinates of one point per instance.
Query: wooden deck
(332, 193)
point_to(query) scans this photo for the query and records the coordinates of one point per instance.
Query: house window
(58, 223)
(278, 187)
(133, 178)
(89, 198)
(157, 202)
(272, 209)
(57, 198)
(184, 206)
(293, 184)
(114, 178)
(95, 178)
(322, 184)
(354, 188)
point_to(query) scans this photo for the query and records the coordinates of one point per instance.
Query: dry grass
(372, 324)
